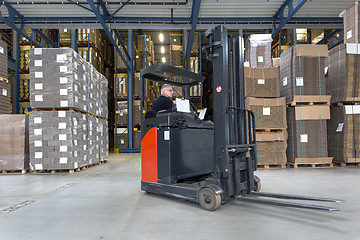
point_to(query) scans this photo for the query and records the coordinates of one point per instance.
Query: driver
(164, 102)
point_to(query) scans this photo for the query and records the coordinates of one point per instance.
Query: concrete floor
(105, 202)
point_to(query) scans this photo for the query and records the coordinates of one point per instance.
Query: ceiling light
(161, 37)
(147, 39)
(162, 49)
(174, 39)
(137, 56)
(163, 59)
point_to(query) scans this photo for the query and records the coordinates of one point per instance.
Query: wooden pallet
(348, 164)
(271, 166)
(4, 80)
(57, 171)
(342, 103)
(55, 109)
(311, 165)
(308, 100)
(270, 130)
(23, 171)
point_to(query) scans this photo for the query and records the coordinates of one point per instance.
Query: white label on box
(351, 48)
(91, 142)
(84, 137)
(38, 132)
(90, 151)
(63, 92)
(61, 58)
(122, 141)
(4, 92)
(63, 148)
(61, 114)
(84, 127)
(38, 63)
(84, 147)
(75, 131)
(299, 81)
(38, 154)
(38, 143)
(121, 114)
(352, 109)
(63, 80)
(39, 86)
(76, 99)
(38, 74)
(326, 70)
(284, 81)
(266, 111)
(64, 103)
(260, 59)
(166, 135)
(84, 88)
(75, 76)
(303, 138)
(261, 81)
(76, 88)
(340, 127)
(38, 166)
(37, 51)
(37, 120)
(75, 65)
(62, 137)
(76, 164)
(1, 50)
(84, 97)
(63, 69)
(92, 86)
(63, 160)
(91, 95)
(75, 153)
(39, 98)
(349, 34)
(84, 116)
(75, 142)
(75, 124)
(62, 125)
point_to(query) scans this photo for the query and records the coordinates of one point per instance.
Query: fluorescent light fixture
(162, 49)
(174, 39)
(147, 39)
(163, 59)
(161, 37)
(137, 56)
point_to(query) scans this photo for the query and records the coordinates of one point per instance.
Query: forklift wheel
(208, 200)
(257, 184)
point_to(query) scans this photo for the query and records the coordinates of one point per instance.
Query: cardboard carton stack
(262, 94)
(351, 24)
(14, 143)
(302, 83)
(5, 94)
(68, 124)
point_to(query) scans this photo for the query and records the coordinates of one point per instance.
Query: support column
(74, 38)
(186, 89)
(293, 37)
(130, 89)
(16, 81)
(241, 32)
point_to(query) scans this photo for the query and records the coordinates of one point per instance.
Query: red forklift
(208, 162)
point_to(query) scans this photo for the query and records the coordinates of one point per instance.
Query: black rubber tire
(208, 200)
(257, 184)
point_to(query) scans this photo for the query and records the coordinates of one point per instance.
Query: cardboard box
(276, 62)
(351, 24)
(270, 113)
(344, 133)
(342, 74)
(271, 148)
(307, 137)
(258, 50)
(262, 82)
(302, 71)
(14, 142)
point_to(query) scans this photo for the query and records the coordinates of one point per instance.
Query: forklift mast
(234, 142)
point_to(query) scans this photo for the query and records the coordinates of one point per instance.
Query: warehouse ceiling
(174, 14)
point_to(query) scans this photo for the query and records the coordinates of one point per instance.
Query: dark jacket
(162, 103)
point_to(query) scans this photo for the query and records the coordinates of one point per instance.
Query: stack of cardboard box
(262, 94)
(302, 83)
(5, 89)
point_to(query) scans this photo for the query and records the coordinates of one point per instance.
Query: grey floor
(105, 202)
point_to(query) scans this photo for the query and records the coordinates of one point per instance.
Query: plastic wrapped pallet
(307, 135)
(3, 59)
(58, 140)
(271, 148)
(344, 134)
(262, 82)
(258, 50)
(104, 140)
(5, 97)
(14, 142)
(351, 24)
(302, 72)
(93, 139)
(270, 113)
(342, 74)
(58, 79)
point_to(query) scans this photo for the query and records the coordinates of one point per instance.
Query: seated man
(164, 102)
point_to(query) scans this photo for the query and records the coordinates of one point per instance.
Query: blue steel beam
(16, 80)
(194, 19)
(105, 14)
(43, 36)
(123, 5)
(332, 43)
(330, 36)
(279, 15)
(71, 1)
(107, 31)
(118, 38)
